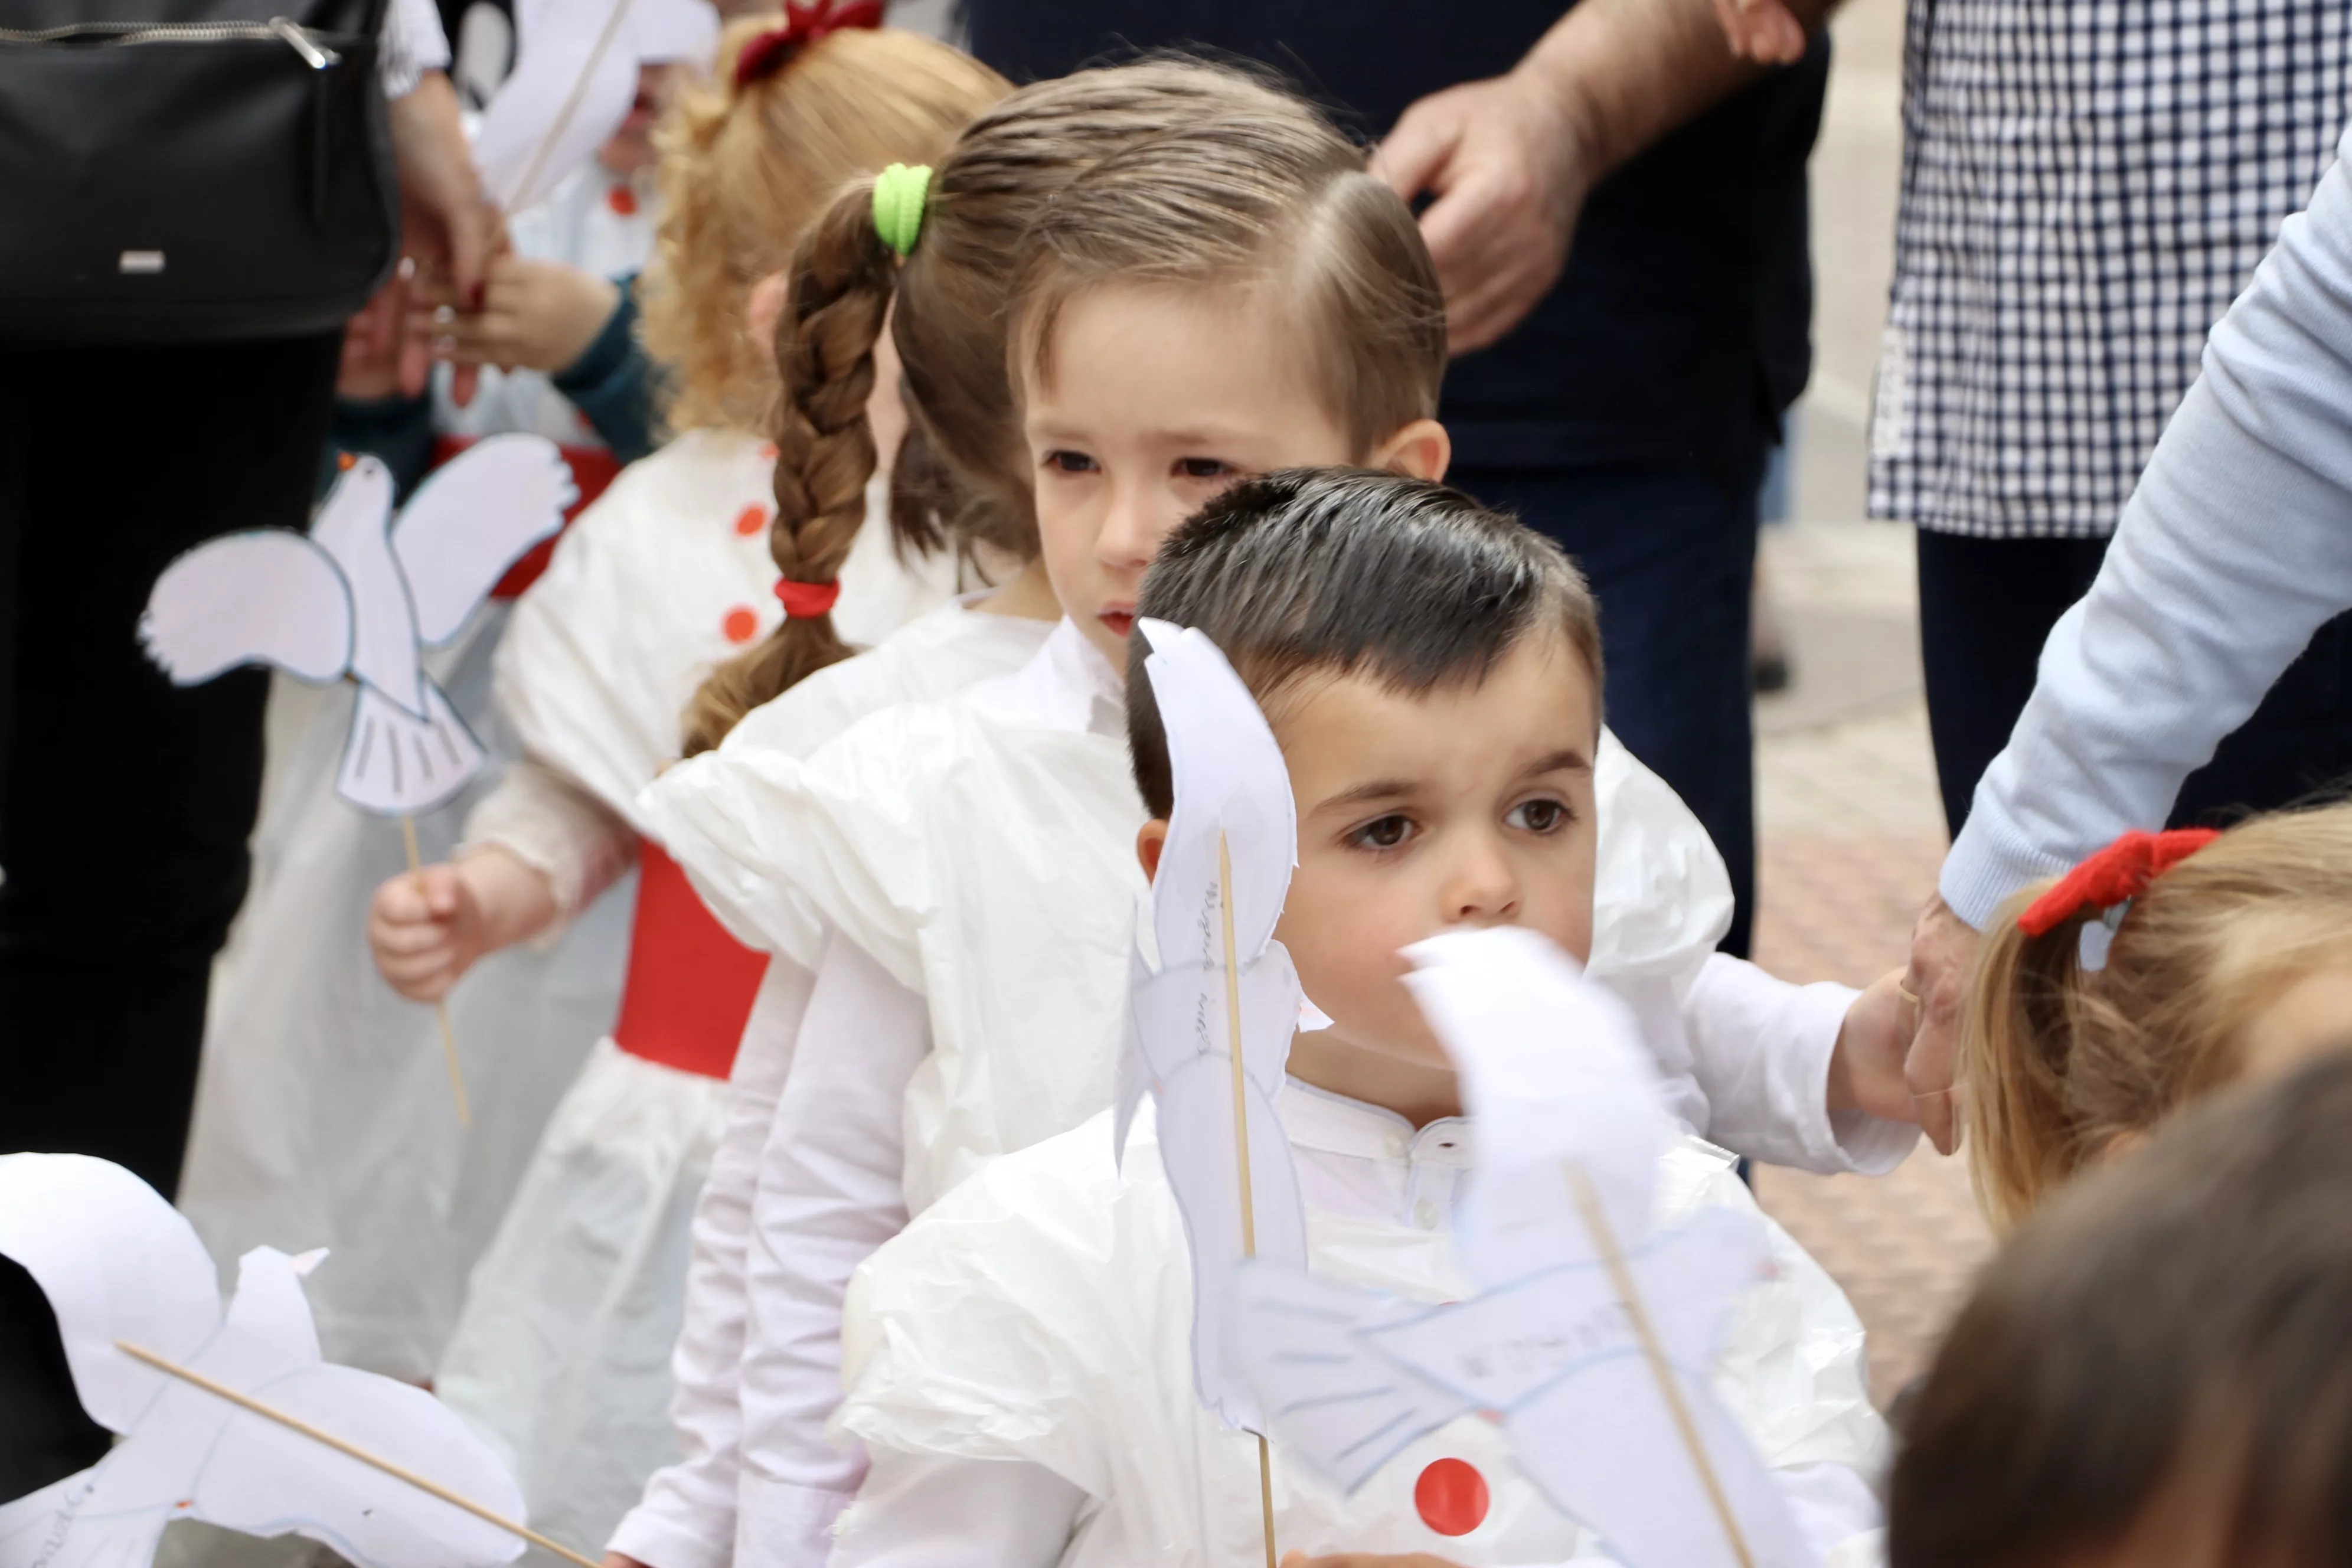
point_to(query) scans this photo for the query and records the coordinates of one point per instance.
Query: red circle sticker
(751, 519)
(740, 624)
(1452, 1497)
(622, 200)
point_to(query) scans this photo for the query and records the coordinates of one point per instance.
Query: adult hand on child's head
(1505, 161)
(1867, 1069)
(425, 930)
(1762, 30)
(540, 315)
(1943, 957)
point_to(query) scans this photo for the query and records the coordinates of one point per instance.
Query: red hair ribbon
(2116, 874)
(803, 26)
(807, 600)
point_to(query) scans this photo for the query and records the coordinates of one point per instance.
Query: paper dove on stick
(1561, 1092)
(1232, 800)
(363, 594)
(575, 78)
(119, 1267)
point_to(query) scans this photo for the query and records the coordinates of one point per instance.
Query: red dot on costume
(1452, 1497)
(751, 519)
(740, 624)
(346, 462)
(622, 200)
(768, 450)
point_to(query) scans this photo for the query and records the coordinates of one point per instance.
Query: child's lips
(1120, 621)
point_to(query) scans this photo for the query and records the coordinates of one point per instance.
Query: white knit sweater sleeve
(2235, 548)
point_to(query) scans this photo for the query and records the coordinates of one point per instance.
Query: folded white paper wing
(122, 1268)
(1592, 1339)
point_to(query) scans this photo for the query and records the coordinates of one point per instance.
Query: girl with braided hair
(1224, 293)
(559, 1349)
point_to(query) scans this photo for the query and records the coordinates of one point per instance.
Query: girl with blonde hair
(1220, 290)
(2158, 970)
(560, 1350)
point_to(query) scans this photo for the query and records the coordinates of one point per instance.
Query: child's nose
(1133, 530)
(1482, 888)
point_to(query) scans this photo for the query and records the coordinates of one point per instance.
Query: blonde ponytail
(2016, 1044)
(840, 296)
(2058, 1062)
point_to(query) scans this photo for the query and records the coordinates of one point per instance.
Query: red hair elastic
(2116, 874)
(803, 26)
(807, 600)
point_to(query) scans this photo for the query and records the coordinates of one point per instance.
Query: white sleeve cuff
(660, 1534)
(780, 1525)
(1991, 860)
(410, 44)
(556, 828)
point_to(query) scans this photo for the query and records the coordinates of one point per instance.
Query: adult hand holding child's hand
(1943, 956)
(1866, 1068)
(538, 315)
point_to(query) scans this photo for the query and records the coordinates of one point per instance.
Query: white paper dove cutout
(119, 1264)
(1558, 1083)
(574, 78)
(1231, 782)
(363, 594)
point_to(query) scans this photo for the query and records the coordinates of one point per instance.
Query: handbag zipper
(302, 40)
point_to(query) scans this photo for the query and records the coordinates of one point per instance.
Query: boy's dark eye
(1070, 462)
(1540, 816)
(1203, 468)
(1385, 833)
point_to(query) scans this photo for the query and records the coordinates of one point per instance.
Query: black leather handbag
(176, 171)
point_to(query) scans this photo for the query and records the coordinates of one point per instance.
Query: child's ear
(1420, 450)
(1149, 840)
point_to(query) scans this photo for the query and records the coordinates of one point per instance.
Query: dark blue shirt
(1679, 331)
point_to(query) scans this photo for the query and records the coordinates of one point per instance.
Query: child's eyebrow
(1365, 794)
(1566, 758)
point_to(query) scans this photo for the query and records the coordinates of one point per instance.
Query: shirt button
(1425, 1215)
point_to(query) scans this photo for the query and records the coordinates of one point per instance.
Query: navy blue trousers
(1670, 550)
(1986, 607)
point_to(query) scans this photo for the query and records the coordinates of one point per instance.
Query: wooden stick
(440, 1008)
(353, 1451)
(1241, 1141)
(1621, 1276)
(572, 101)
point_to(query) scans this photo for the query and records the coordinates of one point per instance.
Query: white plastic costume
(323, 1113)
(1022, 1369)
(561, 1351)
(975, 863)
(686, 1519)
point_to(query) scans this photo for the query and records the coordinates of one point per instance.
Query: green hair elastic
(898, 195)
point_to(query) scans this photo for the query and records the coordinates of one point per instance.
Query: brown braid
(842, 281)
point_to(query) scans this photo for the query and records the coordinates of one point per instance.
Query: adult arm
(1510, 159)
(831, 1190)
(686, 1519)
(2236, 547)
